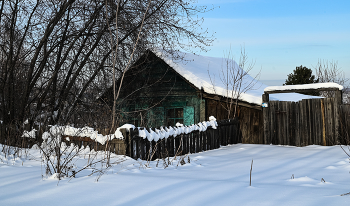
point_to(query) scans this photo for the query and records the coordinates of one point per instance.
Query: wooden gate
(307, 122)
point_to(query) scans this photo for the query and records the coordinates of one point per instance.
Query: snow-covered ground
(217, 177)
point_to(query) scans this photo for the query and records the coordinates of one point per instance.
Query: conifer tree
(302, 75)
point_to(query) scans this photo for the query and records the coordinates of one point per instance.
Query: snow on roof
(304, 87)
(196, 70)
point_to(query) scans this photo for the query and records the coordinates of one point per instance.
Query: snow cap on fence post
(213, 122)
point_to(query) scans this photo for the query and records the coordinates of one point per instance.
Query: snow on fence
(143, 143)
(197, 139)
(149, 144)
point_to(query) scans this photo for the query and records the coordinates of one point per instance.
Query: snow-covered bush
(59, 158)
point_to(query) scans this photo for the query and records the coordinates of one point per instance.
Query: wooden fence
(344, 124)
(226, 133)
(116, 146)
(307, 122)
(10, 136)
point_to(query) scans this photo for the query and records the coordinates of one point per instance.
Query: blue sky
(281, 34)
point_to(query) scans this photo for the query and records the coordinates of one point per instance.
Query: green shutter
(188, 115)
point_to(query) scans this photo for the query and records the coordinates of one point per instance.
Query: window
(175, 115)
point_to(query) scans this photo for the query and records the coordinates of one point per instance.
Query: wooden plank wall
(251, 120)
(307, 122)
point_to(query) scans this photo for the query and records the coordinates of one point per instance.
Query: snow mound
(302, 179)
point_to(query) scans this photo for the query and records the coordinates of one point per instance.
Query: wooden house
(159, 91)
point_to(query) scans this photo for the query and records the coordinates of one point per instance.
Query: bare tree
(236, 80)
(55, 63)
(329, 72)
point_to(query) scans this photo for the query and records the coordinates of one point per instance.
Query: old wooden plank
(301, 123)
(208, 140)
(329, 118)
(127, 140)
(279, 122)
(310, 125)
(323, 140)
(223, 135)
(193, 143)
(171, 146)
(217, 138)
(285, 121)
(185, 144)
(142, 149)
(314, 121)
(288, 121)
(199, 140)
(137, 146)
(163, 149)
(188, 144)
(214, 138)
(196, 143)
(266, 119)
(337, 103)
(295, 138)
(178, 148)
(148, 150)
(230, 136)
(320, 122)
(272, 116)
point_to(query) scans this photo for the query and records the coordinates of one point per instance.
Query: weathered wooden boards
(344, 124)
(307, 122)
(226, 133)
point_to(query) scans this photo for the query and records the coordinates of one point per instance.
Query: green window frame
(183, 115)
(174, 115)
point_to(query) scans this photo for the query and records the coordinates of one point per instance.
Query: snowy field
(217, 177)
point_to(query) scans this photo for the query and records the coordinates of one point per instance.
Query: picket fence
(227, 132)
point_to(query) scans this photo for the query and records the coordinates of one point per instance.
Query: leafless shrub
(328, 71)
(59, 158)
(236, 80)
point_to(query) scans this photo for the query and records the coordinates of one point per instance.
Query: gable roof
(206, 73)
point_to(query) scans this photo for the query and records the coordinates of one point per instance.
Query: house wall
(251, 120)
(150, 89)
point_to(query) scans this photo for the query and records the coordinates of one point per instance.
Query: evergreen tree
(302, 75)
